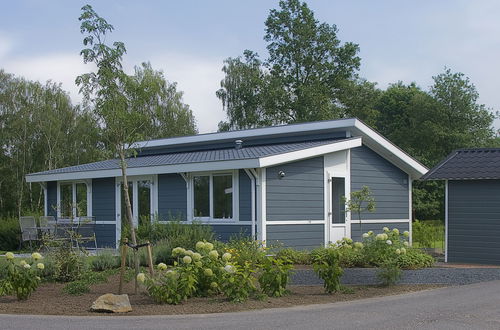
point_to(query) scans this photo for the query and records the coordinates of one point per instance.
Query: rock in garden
(111, 303)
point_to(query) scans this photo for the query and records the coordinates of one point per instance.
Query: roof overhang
(261, 162)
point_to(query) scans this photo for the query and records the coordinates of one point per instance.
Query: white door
(336, 208)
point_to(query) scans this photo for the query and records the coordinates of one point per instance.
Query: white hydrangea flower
(40, 266)
(208, 272)
(370, 233)
(196, 256)
(403, 250)
(213, 254)
(406, 243)
(398, 251)
(385, 236)
(141, 277)
(36, 256)
(358, 245)
(406, 233)
(198, 264)
(189, 253)
(187, 259)
(389, 242)
(385, 229)
(22, 263)
(229, 269)
(380, 237)
(9, 255)
(366, 235)
(200, 246)
(396, 231)
(214, 285)
(178, 251)
(209, 246)
(38, 278)
(162, 266)
(27, 266)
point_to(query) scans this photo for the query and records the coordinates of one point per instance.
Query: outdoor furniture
(65, 230)
(29, 230)
(85, 233)
(47, 225)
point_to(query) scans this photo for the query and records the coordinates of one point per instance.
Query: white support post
(446, 197)
(135, 203)
(263, 195)
(348, 191)
(45, 199)
(252, 182)
(410, 207)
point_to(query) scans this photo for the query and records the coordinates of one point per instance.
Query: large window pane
(81, 199)
(338, 204)
(144, 192)
(66, 200)
(201, 196)
(223, 196)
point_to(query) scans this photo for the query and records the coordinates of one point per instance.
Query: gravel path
(368, 276)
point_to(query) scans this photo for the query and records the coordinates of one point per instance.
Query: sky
(408, 41)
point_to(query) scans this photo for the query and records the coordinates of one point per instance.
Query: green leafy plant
(77, 288)
(360, 201)
(105, 260)
(414, 259)
(245, 250)
(326, 265)
(275, 275)
(295, 256)
(170, 286)
(238, 282)
(69, 265)
(9, 234)
(389, 273)
(22, 278)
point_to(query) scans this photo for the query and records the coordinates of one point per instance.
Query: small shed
(472, 205)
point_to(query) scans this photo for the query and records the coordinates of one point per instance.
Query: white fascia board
(309, 153)
(392, 153)
(305, 127)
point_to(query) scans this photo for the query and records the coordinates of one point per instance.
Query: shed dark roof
(468, 164)
(194, 157)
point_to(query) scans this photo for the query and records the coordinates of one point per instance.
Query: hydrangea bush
(22, 278)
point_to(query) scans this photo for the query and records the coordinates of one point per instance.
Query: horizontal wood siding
(301, 237)
(474, 221)
(245, 198)
(103, 199)
(299, 194)
(389, 184)
(225, 232)
(357, 232)
(106, 236)
(172, 197)
(52, 198)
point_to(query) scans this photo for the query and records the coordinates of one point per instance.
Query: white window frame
(88, 184)
(153, 197)
(210, 219)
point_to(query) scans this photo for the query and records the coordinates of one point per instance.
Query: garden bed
(49, 299)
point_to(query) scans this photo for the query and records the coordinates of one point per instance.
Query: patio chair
(29, 230)
(47, 224)
(86, 237)
(65, 230)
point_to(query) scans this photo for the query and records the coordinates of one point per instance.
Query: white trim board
(381, 221)
(212, 223)
(205, 166)
(295, 222)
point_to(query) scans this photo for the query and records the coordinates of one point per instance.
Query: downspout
(253, 176)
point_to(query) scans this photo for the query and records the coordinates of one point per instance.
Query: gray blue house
(472, 204)
(282, 183)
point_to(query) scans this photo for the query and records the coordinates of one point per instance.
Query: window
(338, 204)
(213, 196)
(73, 200)
(140, 193)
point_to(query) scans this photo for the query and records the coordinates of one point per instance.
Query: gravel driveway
(445, 275)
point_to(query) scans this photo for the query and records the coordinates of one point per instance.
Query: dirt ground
(49, 299)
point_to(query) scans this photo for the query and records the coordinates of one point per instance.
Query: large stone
(111, 303)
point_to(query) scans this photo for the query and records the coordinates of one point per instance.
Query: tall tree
(300, 81)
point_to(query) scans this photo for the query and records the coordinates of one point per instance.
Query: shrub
(428, 233)
(77, 288)
(414, 259)
(244, 250)
(176, 231)
(295, 256)
(326, 265)
(238, 282)
(68, 264)
(9, 234)
(105, 260)
(22, 278)
(275, 275)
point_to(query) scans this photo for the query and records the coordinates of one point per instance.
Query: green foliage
(20, 279)
(245, 250)
(326, 264)
(275, 275)
(301, 79)
(77, 288)
(82, 285)
(428, 233)
(360, 201)
(414, 259)
(389, 273)
(9, 234)
(105, 260)
(295, 256)
(238, 282)
(69, 265)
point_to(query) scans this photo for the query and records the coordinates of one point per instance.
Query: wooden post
(150, 259)
(137, 268)
(123, 252)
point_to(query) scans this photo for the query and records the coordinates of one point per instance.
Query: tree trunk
(128, 206)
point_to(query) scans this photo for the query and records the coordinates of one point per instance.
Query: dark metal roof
(468, 164)
(195, 157)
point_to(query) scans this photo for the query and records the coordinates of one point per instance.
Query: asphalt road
(474, 306)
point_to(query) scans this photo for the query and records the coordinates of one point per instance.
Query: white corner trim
(263, 216)
(252, 199)
(446, 197)
(296, 222)
(410, 207)
(381, 221)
